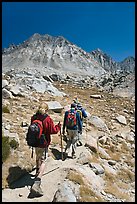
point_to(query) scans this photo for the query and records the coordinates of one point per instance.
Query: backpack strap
(36, 117)
(72, 111)
(44, 117)
(32, 153)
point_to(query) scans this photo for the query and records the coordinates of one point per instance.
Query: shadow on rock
(33, 195)
(57, 154)
(18, 178)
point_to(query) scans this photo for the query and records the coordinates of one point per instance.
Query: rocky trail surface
(104, 167)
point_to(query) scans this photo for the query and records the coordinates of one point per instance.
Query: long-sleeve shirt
(48, 126)
(84, 114)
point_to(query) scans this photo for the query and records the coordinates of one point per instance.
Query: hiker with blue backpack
(71, 124)
(83, 115)
(41, 124)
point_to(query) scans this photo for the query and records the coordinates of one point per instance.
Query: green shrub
(5, 109)
(14, 144)
(5, 148)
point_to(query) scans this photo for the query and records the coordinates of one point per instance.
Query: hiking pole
(61, 145)
(32, 153)
(51, 171)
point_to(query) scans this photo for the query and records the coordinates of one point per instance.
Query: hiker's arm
(84, 114)
(49, 127)
(79, 122)
(54, 128)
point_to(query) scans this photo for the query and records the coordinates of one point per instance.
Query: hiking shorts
(41, 153)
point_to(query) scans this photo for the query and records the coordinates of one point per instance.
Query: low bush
(14, 144)
(5, 148)
(5, 109)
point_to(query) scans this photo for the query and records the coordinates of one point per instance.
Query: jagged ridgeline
(58, 59)
(47, 53)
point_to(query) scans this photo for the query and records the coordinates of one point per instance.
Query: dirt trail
(55, 173)
(50, 180)
(106, 108)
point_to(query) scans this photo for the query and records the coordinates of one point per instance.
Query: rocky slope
(106, 61)
(49, 53)
(42, 69)
(42, 56)
(104, 169)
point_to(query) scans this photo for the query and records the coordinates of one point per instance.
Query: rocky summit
(53, 70)
(55, 57)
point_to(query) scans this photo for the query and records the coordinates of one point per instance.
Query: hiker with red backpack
(72, 124)
(41, 149)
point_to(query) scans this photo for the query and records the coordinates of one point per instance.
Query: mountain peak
(57, 53)
(99, 50)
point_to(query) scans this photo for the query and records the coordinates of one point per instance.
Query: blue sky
(109, 26)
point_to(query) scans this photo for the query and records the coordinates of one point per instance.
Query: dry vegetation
(75, 177)
(118, 185)
(107, 107)
(86, 194)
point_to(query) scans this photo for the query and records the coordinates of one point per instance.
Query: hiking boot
(73, 156)
(65, 155)
(36, 189)
(79, 143)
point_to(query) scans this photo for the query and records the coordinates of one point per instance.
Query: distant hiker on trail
(79, 107)
(75, 100)
(42, 151)
(82, 114)
(72, 123)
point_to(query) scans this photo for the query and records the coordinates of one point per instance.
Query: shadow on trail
(24, 179)
(31, 195)
(57, 154)
(18, 177)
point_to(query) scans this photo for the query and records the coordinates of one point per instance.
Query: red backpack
(71, 120)
(35, 136)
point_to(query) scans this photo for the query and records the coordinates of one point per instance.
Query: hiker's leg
(69, 142)
(74, 142)
(38, 164)
(79, 141)
(43, 158)
(38, 159)
(80, 134)
(41, 155)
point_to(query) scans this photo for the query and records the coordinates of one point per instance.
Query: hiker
(72, 126)
(42, 152)
(83, 115)
(75, 100)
